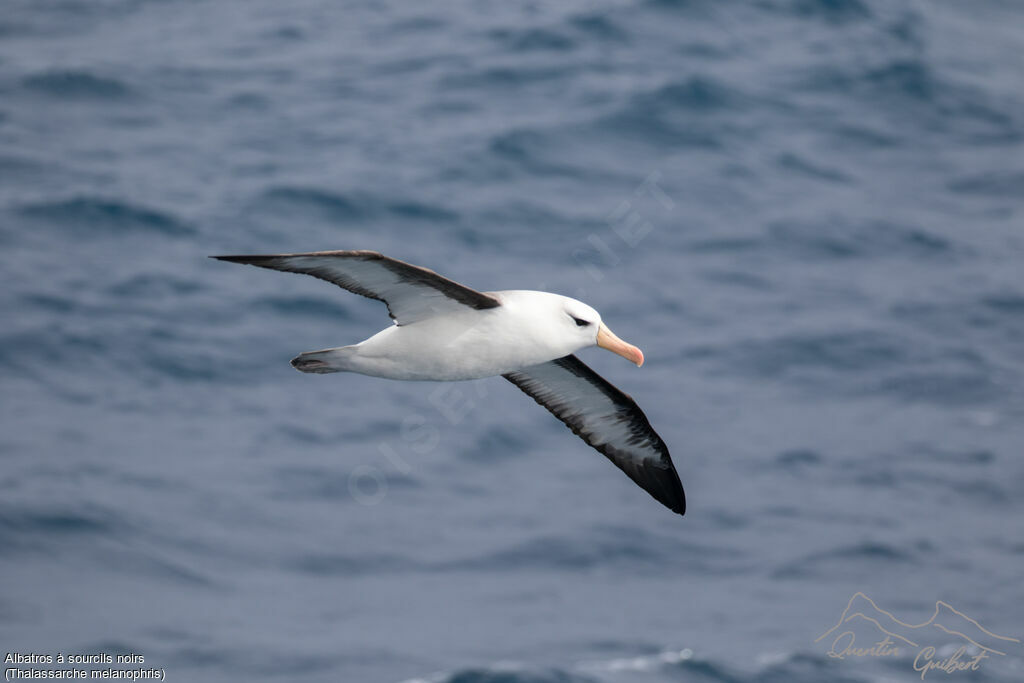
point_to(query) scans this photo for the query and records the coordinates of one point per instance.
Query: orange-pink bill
(606, 339)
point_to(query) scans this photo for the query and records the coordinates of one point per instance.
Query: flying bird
(446, 331)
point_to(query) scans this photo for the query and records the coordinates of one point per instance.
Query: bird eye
(580, 322)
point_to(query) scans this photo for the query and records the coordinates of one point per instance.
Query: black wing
(607, 419)
(410, 292)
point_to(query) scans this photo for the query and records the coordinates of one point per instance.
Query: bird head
(592, 331)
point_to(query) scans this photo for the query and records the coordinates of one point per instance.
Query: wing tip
(680, 506)
(671, 496)
(252, 259)
(259, 259)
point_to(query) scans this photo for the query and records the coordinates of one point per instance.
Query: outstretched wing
(607, 419)
(410, 292)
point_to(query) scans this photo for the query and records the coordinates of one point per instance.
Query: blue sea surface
(809, 214)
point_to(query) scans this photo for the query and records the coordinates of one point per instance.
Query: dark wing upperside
(410, 292)
(608, 420)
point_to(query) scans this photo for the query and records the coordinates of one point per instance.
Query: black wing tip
(665, 488)
(679, 506)
(678, 495)
(253, 258)
(265, 259)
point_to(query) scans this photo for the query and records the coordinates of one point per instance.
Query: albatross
(444, 331)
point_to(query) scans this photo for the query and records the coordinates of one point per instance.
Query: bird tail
(321, 362)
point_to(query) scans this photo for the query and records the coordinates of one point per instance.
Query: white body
(528, 328)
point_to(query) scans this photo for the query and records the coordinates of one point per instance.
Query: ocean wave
(563, 554)
(353, 564)
(912, 87)
(155, 564)
(853, 351)
(981, 322)
(518, 40)
(496, 443)
(523, 214)
(507, 76)
(249, 101)
(940, 386)
(838, 239)
(22, 349)
(506, 673)
(532, 152)
(696, 94)
(53, 303)
(46, 528)
(58, 521)
(876, 239)
(833, 11)
(794, 162)
(694, 112)
(77, 85)
(871, 362)
(153, 286)
(106, 215)
(851, 560)
(667, 665)
(352, 206)
(332, 204)
(798, 458)
(327, 307)
(599, 26)
(331, 484)
(631, 548)
(1009, 303)
(24, 168)
(1003, 184)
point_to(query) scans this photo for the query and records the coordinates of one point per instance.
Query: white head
(588, 326)
(564, 325)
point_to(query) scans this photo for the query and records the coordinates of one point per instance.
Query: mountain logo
(865, 621)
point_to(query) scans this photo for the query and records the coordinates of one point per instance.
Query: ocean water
(809, 214)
